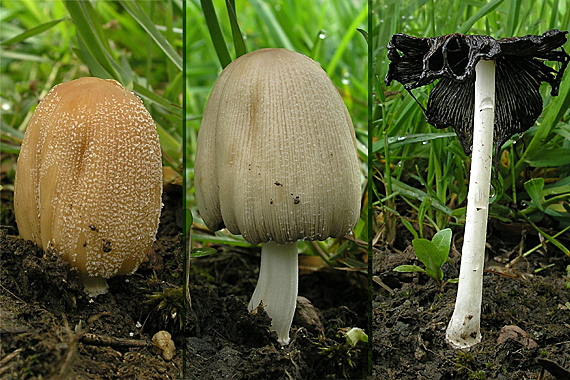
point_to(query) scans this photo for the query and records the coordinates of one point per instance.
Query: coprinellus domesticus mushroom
(89, 179)
(276, 162)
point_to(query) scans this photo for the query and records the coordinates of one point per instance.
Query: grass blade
(279, 37)
(352, 29)
(216, 33)
(489, 7)
(138, 14)
(155, 98)
(22, 56)
(32, 32)
(239, 43)
(86, 31)
(94, 66)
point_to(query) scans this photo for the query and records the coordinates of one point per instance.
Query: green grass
(429, 163)
(325, 31)
(137, 43)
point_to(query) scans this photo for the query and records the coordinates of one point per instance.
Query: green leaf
(159, 100)
(534, 189)
(398, 141)
(424, 207)
(409, 269)
(414, 193)
(364, 33)
(429, 255)
(550, 158)
(32, 32)
(497, 185)
(10, 149)
(170, 146)
(12, 133)
(201, 252)
(188, 219)
(94, 66)
(22, 56)
(556, 190)
(93, 17)
(355, 335)
(409, 226)
(556, 109)
(442, 241)
(228, 240)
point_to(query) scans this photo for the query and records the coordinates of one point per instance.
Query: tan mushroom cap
(89, 177)
(276, 158)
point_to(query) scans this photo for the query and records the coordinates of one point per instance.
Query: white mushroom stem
(277, 286)
(464, 328)
(94, 285)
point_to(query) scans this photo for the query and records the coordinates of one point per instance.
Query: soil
(411, 314)
(52, 330)
(226, 341)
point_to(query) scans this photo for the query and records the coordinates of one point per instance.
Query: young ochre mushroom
(276, 162)
(89, 179)
(488, 90)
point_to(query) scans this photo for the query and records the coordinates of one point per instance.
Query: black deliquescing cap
(452, 58)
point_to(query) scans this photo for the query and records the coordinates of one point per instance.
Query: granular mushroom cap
(276, 157)
(89, 177)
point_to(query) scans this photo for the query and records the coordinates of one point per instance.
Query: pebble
(516, 334)
(164, 345)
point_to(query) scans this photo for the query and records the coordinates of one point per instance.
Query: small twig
(551, 239)
(352, 238)
(13, 295)
(5, 362)
(187, 269)
(66, 367)
(10, 356)
(101, 340)
(319, 251)
(378, 281)
(520, 254)
(540, 245)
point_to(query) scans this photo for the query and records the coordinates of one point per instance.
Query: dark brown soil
(411, 316)
(52, 330)
(225, 341)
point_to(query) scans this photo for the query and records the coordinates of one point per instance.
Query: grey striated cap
(276, 158)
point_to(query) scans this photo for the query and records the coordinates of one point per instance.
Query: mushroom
(452, 59)
(89, 179)
(488, 90)
(276, 162)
